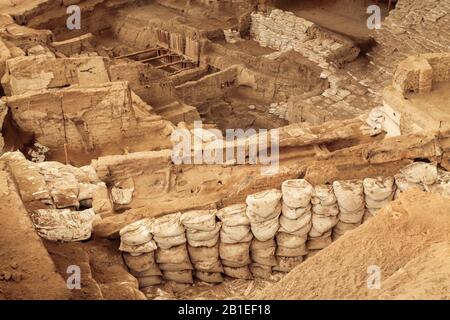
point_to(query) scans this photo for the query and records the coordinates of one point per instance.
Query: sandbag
(404, 185)
(294, 213)
(209, 277)
(205, 259)
(64, 224)
(235, 255)
(324, 195)
(235, 234)
(176, 266)
(292, 252)
(200, 220)
(287, 264)
(266, 230)
(255, 217)
(319, 242)
(297, 193)
(322, 223)
(168, 226)
(200, 235)
(149, 281)
(234, 215)
(291, 226)
(169, 242)
(329, 210)
(136, 233)
(342, 227)
(261, 271)
(140, 248)
(152, 271)
(290, 240)
(379, 189)
(178, 254)
(373, 204)
(420, 172)
(351, 217)
(238, 273)
(264, 203)
(300, 232)
(141, 262)
(349, 195)
(263, 252)
(184, 276)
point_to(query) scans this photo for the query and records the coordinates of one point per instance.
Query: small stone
(14, 265)
(17, 277)
(252, 107)
(7, 276)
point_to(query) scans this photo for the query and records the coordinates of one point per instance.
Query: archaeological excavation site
(224, 150)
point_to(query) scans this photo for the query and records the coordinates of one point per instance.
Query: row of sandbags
(274, 231)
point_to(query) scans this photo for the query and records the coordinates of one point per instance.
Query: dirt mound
(398, 241)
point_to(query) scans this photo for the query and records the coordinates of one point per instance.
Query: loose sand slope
(401, 240)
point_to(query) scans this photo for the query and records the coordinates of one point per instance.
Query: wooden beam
(159, 57)
(170, 64)
(140, 52)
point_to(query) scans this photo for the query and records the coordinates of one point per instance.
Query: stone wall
(87, 118)
(283, 31)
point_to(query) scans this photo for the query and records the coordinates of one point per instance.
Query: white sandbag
(235, 234)
(234, 215)
(169, 242)
(178, 254)
(323, 223)
(238, 273)
(209, 277)
(261, 271)
(297, 193)
(184, 276)
(379, 189)
(287, 264)
(201, 220)
(255, 217)
(441, 188)
(403, 184)
(373, 204)
(64, 224)
(420, 172)
(349, 195)
(291, 226)
(140, 248)
(290, 240)
(266, 230)
(168, 226)
(138, 232)
(300, 232)
(324, 195)
(235, 255)
(199, 235)
(294, 213)
(264, 203)
(141, 262)
(351, 217)
(329, 210)
(122, 196)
